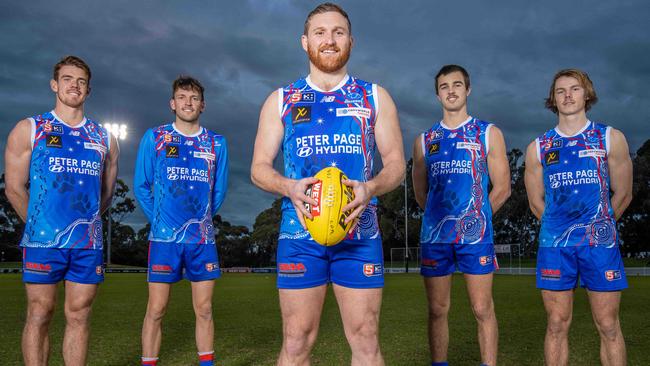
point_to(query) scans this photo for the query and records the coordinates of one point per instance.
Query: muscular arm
(419, 173)
(18, 155)
(499, 170)
(620, 172)
(270, 133)
(388, 137)
(534, 181)
(220, 178)
(110, 174)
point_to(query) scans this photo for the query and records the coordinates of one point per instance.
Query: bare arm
(419, 173)
(534, 181)
(17, 158)
(270, 133)
(110, 174)
(620, 172)
(389, 142)
(499, 170)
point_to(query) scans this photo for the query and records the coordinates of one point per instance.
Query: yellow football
(328, 224)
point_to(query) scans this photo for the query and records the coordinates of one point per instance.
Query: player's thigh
(357, 263)
(41, 299)
(158, 297)
(79, 296)
(479, 288)
(558, 304)
(359, 307)
(202, 292)
(605, 306)
(301, 308)
(302, 264)
(438, 289)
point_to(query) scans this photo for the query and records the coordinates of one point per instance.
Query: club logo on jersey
(210, 267)
(291, 269)
(434, 148)
(168, 137)
(328, 99)
(485, 260)
(171, 151)
(552, 157)
(353, 98)
(301, 114)
(592, 153)
(372, 269)
(353, 112)
(468, 146)
(550, 274)
(99, 270)
(437, 135)
(613, 275)
(54, 141)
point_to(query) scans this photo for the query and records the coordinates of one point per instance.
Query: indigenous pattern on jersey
(65, 184)
(577, 208)
(180, 182)
(321, 129)
(458, 210)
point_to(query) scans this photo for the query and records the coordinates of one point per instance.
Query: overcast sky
(243, 50)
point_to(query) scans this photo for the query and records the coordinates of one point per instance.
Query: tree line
(240, 246)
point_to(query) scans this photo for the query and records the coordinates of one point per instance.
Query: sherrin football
(328, 224)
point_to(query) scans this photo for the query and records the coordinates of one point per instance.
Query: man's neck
(187, 128)
(324, 80)
(70, 115)
(572, 123)
(453, 119)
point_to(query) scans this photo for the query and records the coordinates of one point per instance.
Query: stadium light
(119, 131)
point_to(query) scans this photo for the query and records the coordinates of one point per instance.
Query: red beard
(328, 64)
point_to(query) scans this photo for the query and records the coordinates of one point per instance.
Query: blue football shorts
(598, 267)
(442, 259)
(169, 262)
(304, 263)
(52, 265)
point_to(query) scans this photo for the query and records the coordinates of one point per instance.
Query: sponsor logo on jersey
(550, 274)
(592, 153)
(47, 127)
(455, 166)
(295, 97)
(571, 143)
(434, 148)
(571, 178)
(429, 263)
(169, 138)
(50, 128)
(468, 146)
(38, 267)
(372, 269)
(74, 133)
(485, 260)
(189, 142)
(612, 275)
(161, 268)
(73, 165)
(300, 114)
(328, 99)
(94, 146)
(187, 174)
(309, 97)
(552, 157)
(437, 135)
(171, 151)
(291, 269)
(204, 155)
(556, 144)
(338, 143)
(354, 112)
(54, 141)
(210, 267)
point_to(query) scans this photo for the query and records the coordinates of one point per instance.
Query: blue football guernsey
(180, 182)
(65, 176)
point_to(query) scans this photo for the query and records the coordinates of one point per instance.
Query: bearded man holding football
(329, 119)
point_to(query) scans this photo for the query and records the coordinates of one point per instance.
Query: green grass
(248, 325)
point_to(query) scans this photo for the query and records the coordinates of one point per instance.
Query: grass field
(248, 326)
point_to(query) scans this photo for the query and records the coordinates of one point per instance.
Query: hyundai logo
(305, 151)
(555, 184)
(172, 176)
(56, 168)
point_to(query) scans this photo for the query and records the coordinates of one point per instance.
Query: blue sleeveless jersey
(321, 129)
(180, 182)
(65, 178)
(577, 207)
(458, 210)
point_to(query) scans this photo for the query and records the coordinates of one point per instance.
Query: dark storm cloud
(242, 51)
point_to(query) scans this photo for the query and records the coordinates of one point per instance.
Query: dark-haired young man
(181, 177)
(70, 163)
(329, 119)
(579, 182)
(453, 162)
